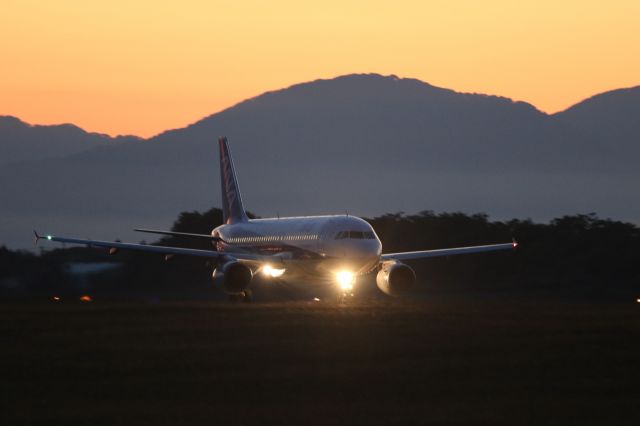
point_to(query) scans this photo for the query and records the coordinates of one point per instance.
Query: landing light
(345, 280)
(272, 272)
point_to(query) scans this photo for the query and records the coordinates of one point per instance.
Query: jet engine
(395, 278)
(234, 277)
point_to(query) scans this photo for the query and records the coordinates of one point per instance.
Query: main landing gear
(244, 297)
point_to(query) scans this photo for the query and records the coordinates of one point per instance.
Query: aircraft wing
(210, 254)
(448, 252)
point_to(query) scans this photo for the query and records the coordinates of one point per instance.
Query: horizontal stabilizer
(179, 234)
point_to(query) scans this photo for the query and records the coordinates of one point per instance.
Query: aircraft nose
(365, 249)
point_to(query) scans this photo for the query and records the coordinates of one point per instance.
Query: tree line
(583, 255)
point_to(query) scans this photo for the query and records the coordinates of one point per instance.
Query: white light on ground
(272, 272)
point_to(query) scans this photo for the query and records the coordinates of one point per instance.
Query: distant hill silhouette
(20, 141)
(364, 143)
(609, 120)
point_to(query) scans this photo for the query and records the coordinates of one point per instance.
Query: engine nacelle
(395, 278)
(234, 277)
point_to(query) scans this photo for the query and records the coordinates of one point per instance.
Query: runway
(433, 362)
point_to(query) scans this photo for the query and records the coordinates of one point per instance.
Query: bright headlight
(272, 272)
(345, 280)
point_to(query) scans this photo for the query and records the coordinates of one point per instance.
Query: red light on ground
(86, 298)
(56, 298)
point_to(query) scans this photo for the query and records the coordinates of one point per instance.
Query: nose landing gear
(344, 296)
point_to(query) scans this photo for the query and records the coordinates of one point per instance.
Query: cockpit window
(356, 235)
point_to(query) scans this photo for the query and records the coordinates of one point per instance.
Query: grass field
(434, 362)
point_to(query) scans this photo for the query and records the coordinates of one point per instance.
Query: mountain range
(363, 143)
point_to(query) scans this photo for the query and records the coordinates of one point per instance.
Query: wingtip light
(37, 237)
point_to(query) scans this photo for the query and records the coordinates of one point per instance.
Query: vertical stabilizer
(232, 208)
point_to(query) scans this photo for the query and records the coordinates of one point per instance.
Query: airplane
(327, 252)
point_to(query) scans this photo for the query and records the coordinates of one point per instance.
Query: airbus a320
(328, 252)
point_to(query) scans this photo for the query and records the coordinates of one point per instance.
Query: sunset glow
(146, 66)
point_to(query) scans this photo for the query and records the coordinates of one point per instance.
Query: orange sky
(144, 66)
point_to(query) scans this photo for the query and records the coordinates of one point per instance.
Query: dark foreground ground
(313, 363)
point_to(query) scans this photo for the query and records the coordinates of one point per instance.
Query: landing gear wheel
(344, 297)
(247, 297)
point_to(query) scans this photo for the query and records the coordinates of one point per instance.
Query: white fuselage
(307, 248)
